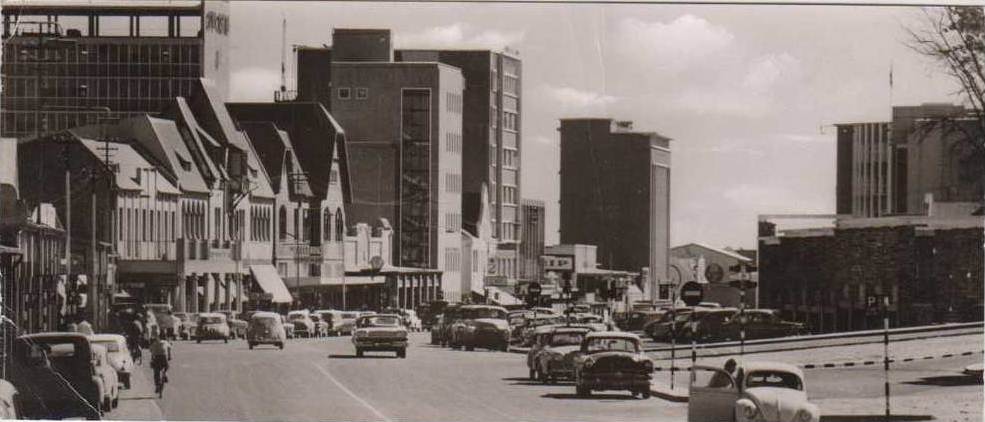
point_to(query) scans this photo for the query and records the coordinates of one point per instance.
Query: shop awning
(501, 297)
(351, 280)
(268, 279)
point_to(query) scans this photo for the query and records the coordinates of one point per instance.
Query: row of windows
(511, 85)
(509, 195)
(454, 102)
(106, 70)
(18, 123)
(511, 158)
(332, 228)
(453, 183)
(453, 259)
(260, 224)
(105, 53)
(453, 222)
(510, 121)
(345, 93)
(453, 142)
(509, 231)
(146, 225)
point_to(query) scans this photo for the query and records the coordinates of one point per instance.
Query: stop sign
(692, 293)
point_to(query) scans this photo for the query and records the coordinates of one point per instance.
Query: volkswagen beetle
(759, 392)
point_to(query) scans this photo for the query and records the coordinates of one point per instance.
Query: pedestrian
(720, 380)
(72, 327)
(85, 327)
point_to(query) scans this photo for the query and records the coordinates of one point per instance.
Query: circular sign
(714, 273)
(692, 293)
(376, 263)
(534, 289)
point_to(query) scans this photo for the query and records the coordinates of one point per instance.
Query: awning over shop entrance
(268, 279)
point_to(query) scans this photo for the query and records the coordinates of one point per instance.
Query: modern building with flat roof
(615, 193)
(533, 216)
(72, 64)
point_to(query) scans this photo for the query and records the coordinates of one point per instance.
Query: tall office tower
(615, 193)
(71, 64)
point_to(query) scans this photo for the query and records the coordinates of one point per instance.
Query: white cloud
(766, 72)
(675, 45)
(457, 35)
(579, 100)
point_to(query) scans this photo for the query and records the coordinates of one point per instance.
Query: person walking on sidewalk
(160, 351)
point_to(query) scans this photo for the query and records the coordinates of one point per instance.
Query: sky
(748, 94)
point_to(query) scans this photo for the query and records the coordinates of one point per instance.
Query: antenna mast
(283, 54)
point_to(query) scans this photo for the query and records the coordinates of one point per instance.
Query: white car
(413, 321)
(759, 392)
(111, 384)
(118, 355)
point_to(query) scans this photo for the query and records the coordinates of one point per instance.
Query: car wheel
(251, 345)
(582, 391)
(402, 353)
(281, 345)
(225, 340)
(359, 353)
(645, 393)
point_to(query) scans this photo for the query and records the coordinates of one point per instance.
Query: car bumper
(558, 370)
(380, 344)
(615, 381)
(485, 339)
(265, 340)
(211, 335)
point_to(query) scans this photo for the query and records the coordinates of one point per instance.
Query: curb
(669, 395)
(891, 360)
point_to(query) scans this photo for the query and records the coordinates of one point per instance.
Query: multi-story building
(490, 142)
(926, 153)
(403, 121)
(71, 64)
(533, 215)
(615, 193)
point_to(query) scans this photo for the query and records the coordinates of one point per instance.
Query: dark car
(635, 320)
(663, 328)
(440, 331)
(555, 360)
(759, 324)
(428, 312)
(482, 326)
(56, 377)
(611, 360)
(709, 324)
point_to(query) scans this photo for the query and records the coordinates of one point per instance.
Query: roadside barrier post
(885, 343)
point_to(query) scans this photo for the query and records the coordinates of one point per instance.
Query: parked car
(187, 326)
(380, 332)
(347, 322)
(635, 320)
(759, 392)
(532, 324)
(556, 358)
(237, 326)
(111, 383)
(612, 361)
(482, 326)
(541, 334)
(321, 327)
(664, 328)
(212, 326)
(441, 330)
(709, 324)
(265, 328)
(162, 318)
(118, 355)
(288, 326)
(56, 377)
(303, 325)
(332, 318)
(8, 401)
(759, 324)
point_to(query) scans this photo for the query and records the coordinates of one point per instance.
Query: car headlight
(750, 412)
(589, 363)
(803, 415)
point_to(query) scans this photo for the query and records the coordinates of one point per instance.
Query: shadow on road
(573, 396)
(363, 357)
(948, 381)
(870, 418)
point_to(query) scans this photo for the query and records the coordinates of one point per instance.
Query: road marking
(351, 394)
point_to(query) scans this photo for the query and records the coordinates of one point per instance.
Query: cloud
(253, 84)
(579, 100)
(766, 72)
(459, 36)
(676, 45)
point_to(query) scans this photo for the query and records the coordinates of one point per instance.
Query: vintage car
(482, 326)
(441, 330)
(265, 328)
(212, 326)
(111, 383)
(8, 401)
(321, 326)
(347, 322)
(527, 338)
(331, 318)
(118, 355)
(237, 326)
(759, 392)
(663, 328)
(760, 324)
(611, 360)
(636, 319)
(55, 376)
(188, 323)
(304, 326)
(555, 360)
(540, 340)
(709, 324)
(288, 326)
(517, 320)
(162, 317)
(380, 332)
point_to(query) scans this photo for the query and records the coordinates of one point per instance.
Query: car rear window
(602, 344)
(379, 321)
(779, 379)
(567, 339)
(61, 350)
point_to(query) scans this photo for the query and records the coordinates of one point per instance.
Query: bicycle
(136, 354)
(160, 377)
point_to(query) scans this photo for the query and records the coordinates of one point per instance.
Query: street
(320, 379)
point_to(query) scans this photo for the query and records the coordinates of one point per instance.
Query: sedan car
(111, 383)
(237, 327)
(760, 324)
(612, 360)
(212, 326)
(482, 326)
(347, 322)
(118, 355)
(288, 327)
(304, 326)
(381, 332)
(265, 328)
(189, 322)
(56, 377)
(759, 392)
(556, 358)
(441, 329)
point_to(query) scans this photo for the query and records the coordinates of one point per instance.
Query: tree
(954, 37)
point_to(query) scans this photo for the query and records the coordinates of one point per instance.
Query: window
(314, 270)
(453, 183)
(282, 269)
(345, 93)
(327, 225)
(339, 225)
(333, 178)
(282, 224)
(362, 93)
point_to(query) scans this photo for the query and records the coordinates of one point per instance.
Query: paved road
(320, 379)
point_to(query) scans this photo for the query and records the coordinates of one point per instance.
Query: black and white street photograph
(492, 210)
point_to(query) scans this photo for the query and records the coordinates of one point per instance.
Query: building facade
(533, 216)
(607, 172)
(404, 122)
(716, 270)
(62, 69)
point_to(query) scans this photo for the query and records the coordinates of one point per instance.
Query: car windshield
(604, 344)
(294, 317)
(477, 313)
(266, 320)
(779, 379)
(110, 345)
(379, 321)
(567, 339)
(211, 320)
(684, 317)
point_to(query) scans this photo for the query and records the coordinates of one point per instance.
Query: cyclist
(135, 331)
(160, 351)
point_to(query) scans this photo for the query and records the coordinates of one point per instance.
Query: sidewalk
(139, 402)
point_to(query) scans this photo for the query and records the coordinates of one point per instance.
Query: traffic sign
(534, 289)
(692, 293)
(714, 273)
